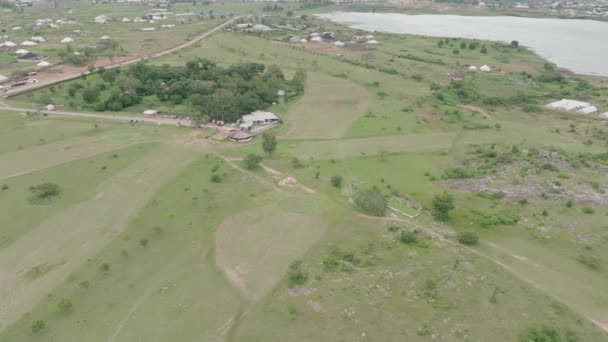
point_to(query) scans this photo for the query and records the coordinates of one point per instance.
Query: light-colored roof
(338, 43)
(3, 78)
(259, 116)
(150, 112)
(484, 68)
(29, 43)
(372, 41)
(604, 116)
(38, 39)
(8, 44)
(472, 67)
(260, 27)
(21, 52)
(316, 39)
(587, 110)
(43, 64)
(565, 104)
(67, 40)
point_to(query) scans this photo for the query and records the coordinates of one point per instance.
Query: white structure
(3, 78)
(338, 43)
(485, 68)
(43, 64)
(602, 116)
(369, 37)
(38, 39)
(104, 38)
(258, 118)
(126, 20)
(316, 39)
(372, 41)
(22, 52)
(67, 40)
(243, 26)
(102, 19)
(587, 110)
(17, 28)
(8, 44)
(260, 28)
(147, 29)
(29, 43)
(472, 68)
(50, 107)
(53, 26)
(150, 112)
(167, 25)
(567, 105)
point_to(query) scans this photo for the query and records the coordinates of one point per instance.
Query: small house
(259, 118)
(150, 112)
(38, 39)
(338, 44)
(67, 40)
(21, 52)
(50, 107)
(472, 68)
(456, 76)
(8, 44)
(372, 42)
(43, 64)
(147, 29)
(316, 39)
(485, 68)
(29, 43)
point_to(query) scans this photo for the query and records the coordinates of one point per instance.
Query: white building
(567, 105)
(29, 43)
(338, 43)
(150, 112)
(604, 116)
(587, 110)
(485, 68)
(43, 64)
(472, 68)
(67, 40)
(22, 52)
(38, 39)
(258, 118)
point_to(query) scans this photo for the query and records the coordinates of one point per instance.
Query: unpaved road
(45, 83)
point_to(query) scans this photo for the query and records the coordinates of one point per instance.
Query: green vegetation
(44, 193)
(468, 238)
(252, 161)
(442, 205)
(371, 201)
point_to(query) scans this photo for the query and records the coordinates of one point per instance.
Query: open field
(158, 233)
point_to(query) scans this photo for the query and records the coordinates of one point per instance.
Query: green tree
(441, 206)
(269, 143)
(468, 238)
(252, 161)
(371, 201)
(514, 43)
(336, 181)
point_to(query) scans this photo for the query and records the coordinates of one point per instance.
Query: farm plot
(329, 106)
(255, 247)
(69, 237)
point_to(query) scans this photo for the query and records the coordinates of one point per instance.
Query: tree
(371, 201)
(336, 181)
(269, 143)
(442, 205)
(64, 305)
(514, 43)
(468, 238)
(252, 161)
(38, 326)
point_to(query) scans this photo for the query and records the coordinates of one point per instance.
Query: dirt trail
(83, 230)
(477, 110)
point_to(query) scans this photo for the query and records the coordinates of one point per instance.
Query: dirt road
(77, 72)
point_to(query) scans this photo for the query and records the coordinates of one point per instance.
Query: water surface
(578, 45)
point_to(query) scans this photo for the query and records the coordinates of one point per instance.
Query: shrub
(550, 167)
(44, 192)
(458, 173)
(105, 267)
(38, 326)
(495, 219)
(296, 163)
(371, 201)
(336, 181)
(216, 178)
(296, 276)
(588, 210)
(143, 242)
(4, 187)
(468, 238)
(64, 305)
(546, 334)
(252, 161)
(393, 228)
(590, 261)
(408, 238)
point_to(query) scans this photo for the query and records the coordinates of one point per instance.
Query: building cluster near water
(578, 107)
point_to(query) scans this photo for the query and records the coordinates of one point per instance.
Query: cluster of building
(578, 107)
(588, 8)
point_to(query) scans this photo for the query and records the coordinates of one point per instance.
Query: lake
(578, 45)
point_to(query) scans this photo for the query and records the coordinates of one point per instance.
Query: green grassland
(173, 239)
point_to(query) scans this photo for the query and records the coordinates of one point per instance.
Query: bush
(216, 178)
(336, 181)
(393, 228)
(458, 173)
(296, 276)
(588, 210)
(143, 242)
(408, 238)
(38, 326)
(65, 305)
(44, 192)
(371, 201)
(496, 219)
(252, 161)
(468, 238)
(105, 267)
(547, 334)
(590, 261)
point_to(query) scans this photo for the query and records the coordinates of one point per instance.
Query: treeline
(212, 91)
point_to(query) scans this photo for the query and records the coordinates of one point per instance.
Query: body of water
(577, 45)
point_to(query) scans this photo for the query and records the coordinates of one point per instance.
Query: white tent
(38, 39)
(316, 39)
(54, 26)
(338, 43)
(67, 40)
(260, 28)
(485, 68)
(17, 28)
(150, 112)
(3, 78)
(369, 37)
(29, 43)
(567, 105)
(43, 64)
(22, 52)
(104, 38)
(9, 44)
(472, 68)
(604, 116)
(372, 41)
(126, 20)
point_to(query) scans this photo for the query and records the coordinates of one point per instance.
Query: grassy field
(160, 233)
